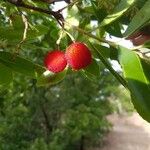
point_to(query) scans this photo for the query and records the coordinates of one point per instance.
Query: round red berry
(78, 55)
(55, 61)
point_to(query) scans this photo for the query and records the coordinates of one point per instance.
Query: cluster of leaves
(32, 33)
(134, 67)
(67, 116)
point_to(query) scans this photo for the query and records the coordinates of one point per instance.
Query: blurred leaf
(16, 34)
(92, 71)
(17, 21)
(138, 81)
(50, 78)
(146, 67)
(20, 65)
(113, 53)
(108, 65)
(105, 51)
(38, 3)
(5, 74)
(88, 10)
(99, 13)
(114, 29)
(139, 20)
(120, 9)
(37, 31)
(8, 33)
(73, 17)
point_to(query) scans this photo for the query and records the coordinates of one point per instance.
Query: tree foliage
(28, 30)
(51, 117)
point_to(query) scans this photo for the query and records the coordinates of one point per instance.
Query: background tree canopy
(37, 111)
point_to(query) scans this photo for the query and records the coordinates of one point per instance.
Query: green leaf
(140, 19)
(15, 35)
(5, 75)
(136, 73)
(92, 71)
(114, 29)
(146, 67)
(37, 31)
(108, 65)
(17, 21)
(50, 78)
(20, 65)
(100, 14)
(105, 51)
(120, 9)
(11, 35)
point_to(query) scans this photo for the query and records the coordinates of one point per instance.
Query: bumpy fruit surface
(55, 61)
(78, 56)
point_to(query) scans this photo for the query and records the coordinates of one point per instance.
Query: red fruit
(55, 61)
(78, 55)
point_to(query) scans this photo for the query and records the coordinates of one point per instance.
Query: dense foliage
(67, 116)
(40, 112)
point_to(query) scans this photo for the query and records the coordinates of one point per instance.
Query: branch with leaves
(56, 14)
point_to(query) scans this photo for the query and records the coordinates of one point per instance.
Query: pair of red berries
(77, 56)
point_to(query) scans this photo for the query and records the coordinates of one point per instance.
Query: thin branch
(25, 21)
(25, 28)
(56, 15)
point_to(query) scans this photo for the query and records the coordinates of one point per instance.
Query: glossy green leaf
(138, 80)
(50, 78)
(120, 9)
(5, 75)
(140, 19)
(20, 65)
